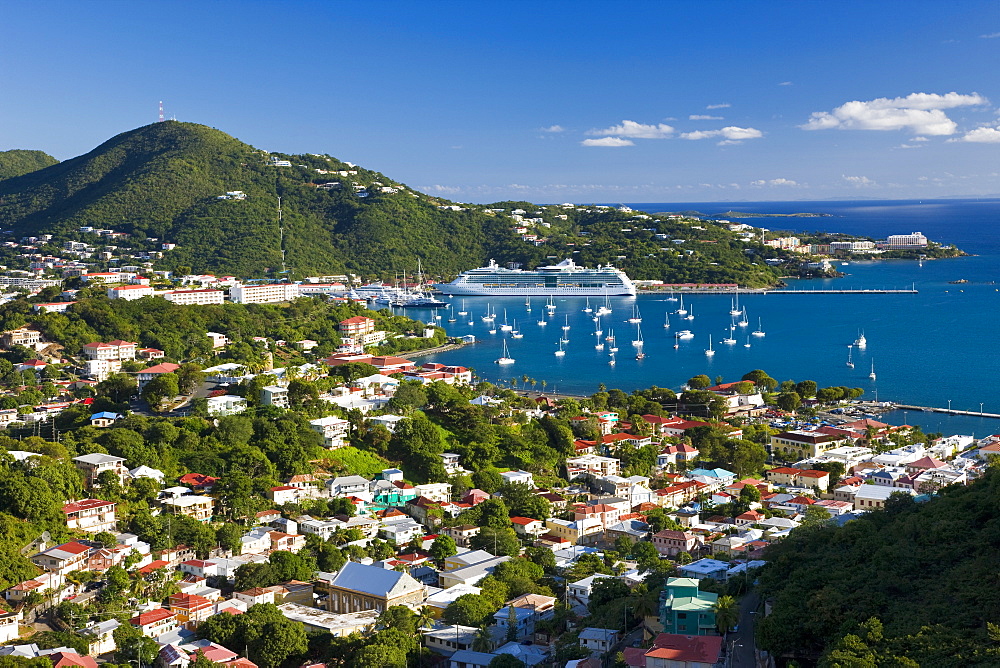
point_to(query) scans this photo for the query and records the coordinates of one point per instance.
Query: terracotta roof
(85, 504)
(151, 617)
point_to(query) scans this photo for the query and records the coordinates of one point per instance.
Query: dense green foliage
(20, 161)
(167, 182)
(925, 570)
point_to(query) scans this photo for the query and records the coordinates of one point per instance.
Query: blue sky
(547, 101)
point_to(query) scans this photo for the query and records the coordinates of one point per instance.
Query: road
(743, 640)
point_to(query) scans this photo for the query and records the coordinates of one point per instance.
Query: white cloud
(636, 130)
(909, 146)
(992, 35)
(921, 113)
(704, 117)
(860, 181)
(554, 128)
(730, 133)
(984, 135)
(774, 182)
(612, 142)
(920, 139)
(724, 105)
(785, 83)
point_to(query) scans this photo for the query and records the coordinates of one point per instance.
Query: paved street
(743, 640)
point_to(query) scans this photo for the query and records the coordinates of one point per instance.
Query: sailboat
(550, 305)
(560, 352)
(527, 304)
(636, 317)
(747, 344)
(604, 310)
(611, 336)
(640, 355)
(514, 333)
(680, 309)
(872, 374)
(463, 311)
(506, 359)
(690, 314)
(566, 326)
(677, 340)
(505, 327)
(671, 298)
(759, 331)
(736, 305)
(861, 342)
(588, 309)
(638, 337)
(730, 340)
(598, 331)
(488, 316)
(710, 351)
(542, 323)
(743, 322)
(850, 362)
(451, 317)
(612, 360)
(666, 321)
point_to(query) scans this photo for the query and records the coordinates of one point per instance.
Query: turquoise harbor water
(928, 348)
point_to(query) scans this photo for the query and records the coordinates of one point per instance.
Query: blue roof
(108, 415)
(373, 580)
(713, 473)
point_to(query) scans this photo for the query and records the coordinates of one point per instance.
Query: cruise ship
(565, 278)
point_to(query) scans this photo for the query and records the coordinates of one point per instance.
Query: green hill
(20, 161)
(167, 182)
(164, 180)
(925, 573)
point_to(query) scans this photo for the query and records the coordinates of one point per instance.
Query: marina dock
(947, 411)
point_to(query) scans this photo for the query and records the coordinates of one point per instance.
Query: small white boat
(611, 336)
(527, 304)
(451, 317)
(560, 352)
(588, 309)
(680, 309)
(564, 340)
(730, 340)
(747, 344)
(850, 361)
(690, 314)
(599, 346)
(743, 322)
(677, 341)
(542, 323)
(636, 317)
(514, 333)
(493, 331)
(685, 334)
(710, 350)
(638, 337)
(872, 374)
(566, 326)
(736, 305)
(861, 342)
(550, 305)
(471, 322)
(640, 355)
(463, 311)
(671, 298)
(759, 331)
(505, 327)
(666, 321)
(612, 360)
(506, 359)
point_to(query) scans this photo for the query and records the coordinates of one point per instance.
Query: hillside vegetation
(915, 584)
(167, 182)
(20, 161)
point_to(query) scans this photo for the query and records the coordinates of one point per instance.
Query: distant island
(746, 214)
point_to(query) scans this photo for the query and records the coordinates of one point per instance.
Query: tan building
(804, 444)
(94, 464)
(93, 515)
(198, 507)
(20, 337)
(359, 587)
(671, 543)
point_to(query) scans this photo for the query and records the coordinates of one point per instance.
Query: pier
(946, 411)
(778, 291)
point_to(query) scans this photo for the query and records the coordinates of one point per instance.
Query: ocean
(927, 349)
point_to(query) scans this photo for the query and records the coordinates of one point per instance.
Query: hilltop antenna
(161, 112)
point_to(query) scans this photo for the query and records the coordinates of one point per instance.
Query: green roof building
(685, 610)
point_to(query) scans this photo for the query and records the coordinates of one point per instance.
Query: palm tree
(425, 617)
(726, 613)
(483, 642)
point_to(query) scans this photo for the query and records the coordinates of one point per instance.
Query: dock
(947, 411)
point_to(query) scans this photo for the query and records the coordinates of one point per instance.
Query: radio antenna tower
(161, 112)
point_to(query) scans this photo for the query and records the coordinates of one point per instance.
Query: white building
(263, 294)
(130, 292)
(274, 395)
(913, 240)
(333, 430)
(227, 404)
(195, 297)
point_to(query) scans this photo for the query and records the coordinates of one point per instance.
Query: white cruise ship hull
(563, 279)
